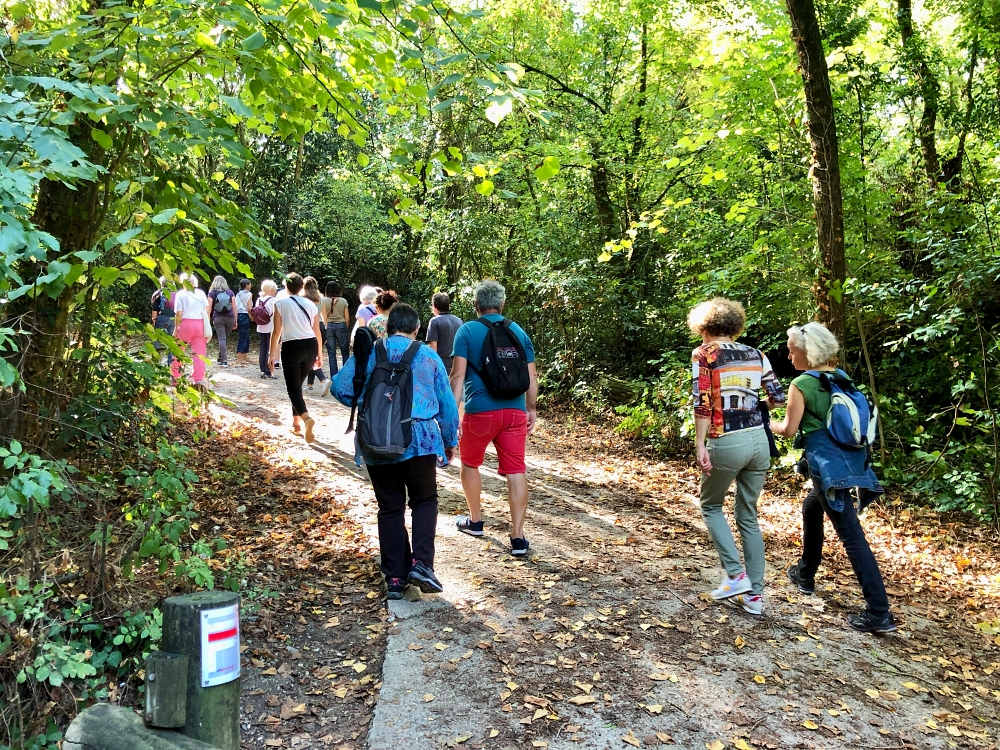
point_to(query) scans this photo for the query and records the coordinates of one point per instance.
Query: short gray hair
(489, 295)
(267, 286)
(816, 341)
(367, 294)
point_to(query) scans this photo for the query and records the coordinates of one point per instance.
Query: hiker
(310, 290)
(366, 309)
(296, 336)
(442, 328)
(383, 304)
(499, 394)
(244, 301)
(263, 310)
(162, 306)
(731, 442)
(336, 316)
(412, 469)
(190, 315)
(223, 303)
(835, 471)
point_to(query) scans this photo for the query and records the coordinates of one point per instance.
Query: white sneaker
(752, 604)
(732, 587)
(326, 388)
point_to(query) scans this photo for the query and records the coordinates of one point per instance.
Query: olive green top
(817, 402)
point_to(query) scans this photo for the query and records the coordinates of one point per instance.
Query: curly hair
(717, 317)
(385, 301)
(821, 346)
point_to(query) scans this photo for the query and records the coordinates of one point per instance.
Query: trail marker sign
(220, 645)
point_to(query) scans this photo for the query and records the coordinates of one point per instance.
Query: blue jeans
(165, 323)
(243, 329)
(337, 337)
(852, 536)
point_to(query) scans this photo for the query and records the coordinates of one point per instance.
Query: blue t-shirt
(469, 343)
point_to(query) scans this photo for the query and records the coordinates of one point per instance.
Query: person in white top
(282, 294)
(296, 336)
(244, 301)
(264, 330)
(190, 309)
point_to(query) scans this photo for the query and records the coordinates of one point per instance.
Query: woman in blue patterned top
(435, 435)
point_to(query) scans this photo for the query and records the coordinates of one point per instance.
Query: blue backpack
(852, 418)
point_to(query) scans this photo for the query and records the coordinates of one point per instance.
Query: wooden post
(166, 690)
(211, 643)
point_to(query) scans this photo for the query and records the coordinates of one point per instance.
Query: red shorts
(507, 429)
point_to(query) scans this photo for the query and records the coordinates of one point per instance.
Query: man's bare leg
(472, 486)
(517, 496)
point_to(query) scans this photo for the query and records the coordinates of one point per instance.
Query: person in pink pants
(190, 304)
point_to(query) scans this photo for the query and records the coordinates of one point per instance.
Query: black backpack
(364, 343)
(503, 367)
(158, 304)
(386, 428)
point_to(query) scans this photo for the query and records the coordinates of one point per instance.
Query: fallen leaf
(539, 743)
(440, 646)
(582, 700)
(359, 667)
(759, 678)
(655, 709)
(740, 744)
(415, 646)
(715, 745)
(631, 739)
(665, 738)
(270, 671)
(461, 740)
(428, 697)
(954, 731)
(739, 642)
(872, 693)
(540, 713)
(494, 733)
(809, 724)
(914, 687)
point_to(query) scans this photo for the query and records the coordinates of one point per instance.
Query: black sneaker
(804, 586)
(423, 578)
(394, 588)
(470, 527)
(866, 623)
(519, 547)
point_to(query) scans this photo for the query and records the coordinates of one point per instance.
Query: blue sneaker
(394, 588)
(468, 526)
(519, 547)
(422, 576)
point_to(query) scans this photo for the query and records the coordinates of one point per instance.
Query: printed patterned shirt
(727, 379)
(434, 412)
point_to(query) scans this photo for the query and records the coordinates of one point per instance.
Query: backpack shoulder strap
(381, 352)
(298, 304)
(410, 353)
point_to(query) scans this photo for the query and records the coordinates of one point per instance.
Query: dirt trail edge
(603, 638)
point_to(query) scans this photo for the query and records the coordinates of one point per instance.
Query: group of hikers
(474, 383)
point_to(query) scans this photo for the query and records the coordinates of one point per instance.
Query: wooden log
(213, 713)
(166, 690)
(107, 727)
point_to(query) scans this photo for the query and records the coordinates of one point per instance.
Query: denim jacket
(838, 470)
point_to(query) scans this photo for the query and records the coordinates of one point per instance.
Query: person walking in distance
(310, 290)
(190, 309)
(405, 468)
(442, 328)
(731, 443)
(493, 371)
(336, 315)
(265, 309)
(162, 306)
(296, 335)
(223, 302)
(244, 301)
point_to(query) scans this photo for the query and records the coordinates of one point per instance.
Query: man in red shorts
(505, 422)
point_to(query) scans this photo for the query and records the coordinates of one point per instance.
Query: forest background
(612, 163)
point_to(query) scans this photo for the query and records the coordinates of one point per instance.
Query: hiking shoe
(750, 603)
(807, 587)
(309, 387)
(310, 423)
(468, 526)
(394, 588)
(732, 587)
(865, 622)
(326, 388)
(422, 576)
(519, 547)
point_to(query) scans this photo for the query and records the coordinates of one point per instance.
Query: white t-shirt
(297, 316)
(282, 294)
(243, 300)
(190, 305)
(269, 306)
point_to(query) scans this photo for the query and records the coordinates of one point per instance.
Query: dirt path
(603, 639)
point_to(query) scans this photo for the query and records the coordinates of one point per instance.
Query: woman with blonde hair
(731, 442)
(267, 291)
(835, 471)
(190, 309)
(223, 305)
(310, 290)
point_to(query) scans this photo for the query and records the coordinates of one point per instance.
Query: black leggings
(297, 359)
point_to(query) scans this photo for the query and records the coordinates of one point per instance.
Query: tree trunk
(602, 198)
(825, 168)
(638, 142)
(930, 89)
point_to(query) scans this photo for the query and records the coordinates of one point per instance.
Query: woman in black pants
(296, 332)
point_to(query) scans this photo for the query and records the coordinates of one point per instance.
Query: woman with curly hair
(731, 442)
(383, 303)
